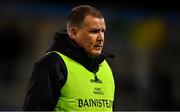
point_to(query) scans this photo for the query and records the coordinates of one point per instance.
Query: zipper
(96, 80)
(95, 77)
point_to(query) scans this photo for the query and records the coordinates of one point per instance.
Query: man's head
(86, 26)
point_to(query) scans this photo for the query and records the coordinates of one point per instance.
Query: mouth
(98, 46)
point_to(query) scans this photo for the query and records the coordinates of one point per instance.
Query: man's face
(91, 35)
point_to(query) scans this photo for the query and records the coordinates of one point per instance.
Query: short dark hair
(78, 13)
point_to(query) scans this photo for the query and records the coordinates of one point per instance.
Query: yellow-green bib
(81, 92)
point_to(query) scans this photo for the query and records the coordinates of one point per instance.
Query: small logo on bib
(96, 81)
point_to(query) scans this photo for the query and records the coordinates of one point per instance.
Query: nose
(100, 36)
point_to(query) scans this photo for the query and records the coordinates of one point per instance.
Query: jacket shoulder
(49, 60)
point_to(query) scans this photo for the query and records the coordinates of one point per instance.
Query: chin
(95, 54)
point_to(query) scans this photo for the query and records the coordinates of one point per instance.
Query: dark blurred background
(144, 36)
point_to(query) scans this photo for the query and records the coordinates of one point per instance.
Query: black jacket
(50, 73)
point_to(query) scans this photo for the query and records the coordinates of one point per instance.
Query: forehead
(92, 21)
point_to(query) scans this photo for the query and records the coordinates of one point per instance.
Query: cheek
(88, 41)
(91, 41)
(85, 43)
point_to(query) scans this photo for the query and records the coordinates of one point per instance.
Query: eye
(94, 31)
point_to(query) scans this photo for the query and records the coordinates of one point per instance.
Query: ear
(73, 32)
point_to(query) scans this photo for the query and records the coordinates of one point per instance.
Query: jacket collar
(63, 44)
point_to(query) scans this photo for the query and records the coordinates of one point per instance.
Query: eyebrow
(95, 28)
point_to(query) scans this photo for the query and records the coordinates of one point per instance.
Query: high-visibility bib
(82, 91)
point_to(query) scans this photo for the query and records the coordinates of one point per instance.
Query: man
(74, 75)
